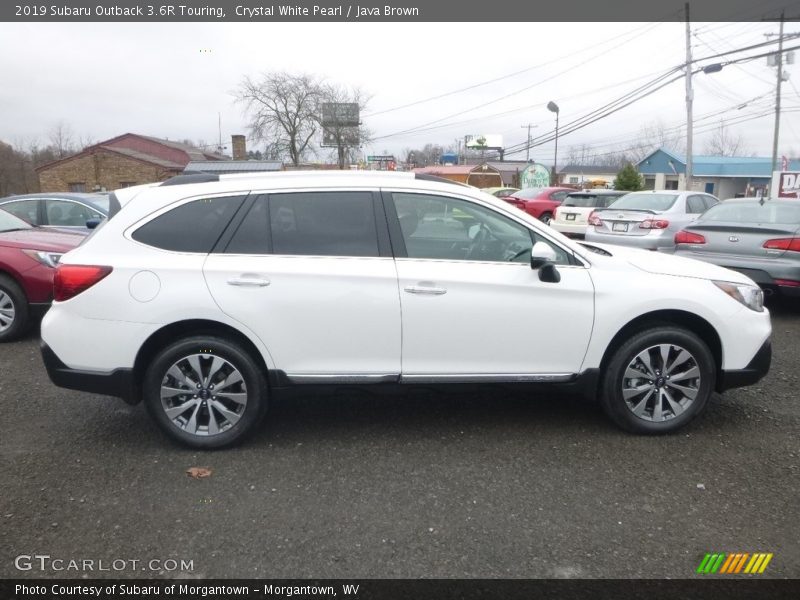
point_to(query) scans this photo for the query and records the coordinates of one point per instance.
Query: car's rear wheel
(205, 392)
(14, 313)
(546, 218)
(658, 380)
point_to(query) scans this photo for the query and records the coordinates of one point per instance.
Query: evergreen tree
(628, 179)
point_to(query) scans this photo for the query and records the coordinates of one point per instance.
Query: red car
(28, 257)
(539, 202)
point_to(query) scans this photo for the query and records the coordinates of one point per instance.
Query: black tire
(546, 218)
(200, 402)
(672, 417)
(12, 297)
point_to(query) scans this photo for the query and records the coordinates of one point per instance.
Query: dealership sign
(789, 184)
(535, 176)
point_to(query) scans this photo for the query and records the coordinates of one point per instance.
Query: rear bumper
(753, 372)
(648, 241)
(570, 229)
(118, 382)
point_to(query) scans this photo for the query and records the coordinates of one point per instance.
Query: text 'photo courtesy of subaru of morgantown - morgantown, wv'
(372, 278)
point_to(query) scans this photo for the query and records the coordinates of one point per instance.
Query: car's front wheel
(14, 314)
(658, 380)
(205, 392)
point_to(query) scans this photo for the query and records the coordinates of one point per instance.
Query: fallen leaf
(198, 472)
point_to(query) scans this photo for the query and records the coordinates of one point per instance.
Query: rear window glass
(192, 227)
(323, 224)
(646, 201)
(587, 200)
(528, 193)
(754, 212)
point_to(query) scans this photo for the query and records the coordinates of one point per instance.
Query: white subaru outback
(205, 295)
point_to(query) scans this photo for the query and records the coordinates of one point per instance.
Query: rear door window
(323, 224)
(191, 227)
(695, 205)
(24, 209)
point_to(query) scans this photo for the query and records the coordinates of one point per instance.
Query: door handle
(424, 290)
(249, 282)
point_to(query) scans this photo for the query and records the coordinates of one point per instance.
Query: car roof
(599, 192)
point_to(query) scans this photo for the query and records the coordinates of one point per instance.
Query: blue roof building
(723, 176)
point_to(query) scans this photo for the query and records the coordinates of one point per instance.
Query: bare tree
(61, 139)
(652, 137)
(723, 143)
(284, 111)
(347, 139)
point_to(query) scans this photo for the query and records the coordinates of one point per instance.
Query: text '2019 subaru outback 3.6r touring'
(204, 295)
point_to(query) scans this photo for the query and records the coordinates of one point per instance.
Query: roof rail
(427, 177)
(191, 177)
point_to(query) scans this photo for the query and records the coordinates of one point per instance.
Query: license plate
(619, 227)
(570, 216)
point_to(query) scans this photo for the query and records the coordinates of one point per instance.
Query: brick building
(123, 161)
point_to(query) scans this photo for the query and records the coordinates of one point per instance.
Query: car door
(472, 306)
(311, 273)
(68, 214)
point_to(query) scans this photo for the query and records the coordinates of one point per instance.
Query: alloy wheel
(203, 394)
(7, 311)
(661, 382)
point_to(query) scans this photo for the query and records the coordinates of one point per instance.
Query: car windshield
(583, 200)
(754, 212)
(528, 193)
(9, 222)
(102, 202)
(645, 201)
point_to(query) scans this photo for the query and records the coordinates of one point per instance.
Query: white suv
(205, 295)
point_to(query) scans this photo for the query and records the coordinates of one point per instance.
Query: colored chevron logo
(732, 563)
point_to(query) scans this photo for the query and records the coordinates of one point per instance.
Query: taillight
(594, 219)
(687, 237)
(654, 224)
(787, 282)
(792, 244)
(71, 280)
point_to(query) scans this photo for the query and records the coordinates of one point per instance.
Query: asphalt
(445, 483)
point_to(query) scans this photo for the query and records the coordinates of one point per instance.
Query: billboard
(342, 114)
(483, 140)
(789, 184)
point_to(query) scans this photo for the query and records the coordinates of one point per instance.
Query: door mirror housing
(92, 223)
(541, 254)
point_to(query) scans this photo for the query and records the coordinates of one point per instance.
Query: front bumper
(119, 382)
(753, 372)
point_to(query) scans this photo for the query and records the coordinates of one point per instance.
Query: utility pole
(689, 99)
(779, 64)
(528, 149)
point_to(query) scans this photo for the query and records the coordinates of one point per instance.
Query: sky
(178, 80)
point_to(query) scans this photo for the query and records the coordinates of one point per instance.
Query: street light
(553, 107)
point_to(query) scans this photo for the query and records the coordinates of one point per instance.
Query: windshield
(587, 200)
(9, 222)
(754, 212)
(528, 193)
(645, 201)
(102, 202)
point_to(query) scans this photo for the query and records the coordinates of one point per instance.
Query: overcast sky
(107, 79)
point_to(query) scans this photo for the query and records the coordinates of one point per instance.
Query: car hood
(41, 239)
(660, 263)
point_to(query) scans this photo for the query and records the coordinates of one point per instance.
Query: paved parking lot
(470, 482)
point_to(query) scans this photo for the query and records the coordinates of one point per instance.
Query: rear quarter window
(192, 227)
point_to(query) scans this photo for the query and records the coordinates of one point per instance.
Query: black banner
(733, 588)
(266, 11)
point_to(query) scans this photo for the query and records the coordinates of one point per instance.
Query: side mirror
(541, 254)
(92, 223)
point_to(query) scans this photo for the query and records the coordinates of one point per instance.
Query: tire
(14, 311)
(210, 419)
(660, 400)
(546, 218)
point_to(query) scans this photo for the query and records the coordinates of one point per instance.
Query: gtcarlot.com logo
(45, 562)
(734, 563)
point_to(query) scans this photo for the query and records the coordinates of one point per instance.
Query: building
(722, 176)
(588, 176)
(123, 161)
(480, 176)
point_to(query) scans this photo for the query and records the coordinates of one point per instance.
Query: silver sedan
(759, 238)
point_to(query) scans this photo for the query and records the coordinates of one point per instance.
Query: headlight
(750, 295)
(49, 259)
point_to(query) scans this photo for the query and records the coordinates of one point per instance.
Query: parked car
(289, 279)
(539, 202)
(500, 192)
(65, 211)
(28, 257)
(760, 238)
(571, 217)
(647, 220)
